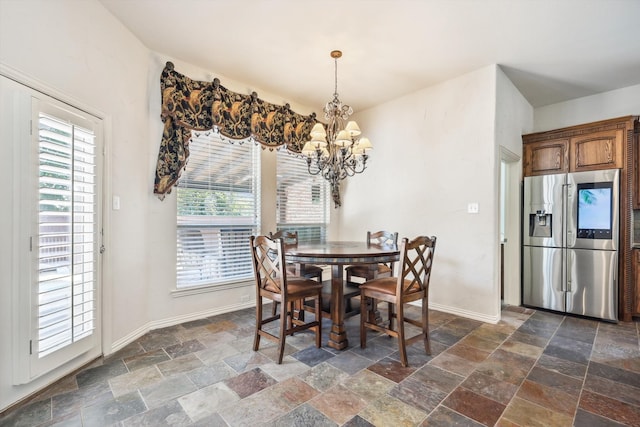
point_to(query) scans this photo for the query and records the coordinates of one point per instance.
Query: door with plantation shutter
(65, 240)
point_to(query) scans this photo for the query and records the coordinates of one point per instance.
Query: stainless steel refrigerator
(570, 243)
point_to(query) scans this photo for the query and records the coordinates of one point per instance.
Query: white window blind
(303, 199)
(218, 209)
(67, 235)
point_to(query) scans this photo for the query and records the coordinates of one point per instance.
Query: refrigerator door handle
(568, 206)
(568, 271)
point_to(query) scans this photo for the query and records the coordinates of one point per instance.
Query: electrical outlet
(473, 208)
(244, 298)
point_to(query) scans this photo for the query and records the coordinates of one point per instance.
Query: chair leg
(392, 314)
(256, 340)
(400, 330)
(274, 308)
(318, 315)
(425, 326)
(363, 318)
(284, 316)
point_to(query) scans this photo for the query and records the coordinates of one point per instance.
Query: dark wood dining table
(339, 254)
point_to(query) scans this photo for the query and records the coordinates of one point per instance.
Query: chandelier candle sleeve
(336, 152)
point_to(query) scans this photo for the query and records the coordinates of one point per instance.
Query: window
(303, 199)
(218, 209)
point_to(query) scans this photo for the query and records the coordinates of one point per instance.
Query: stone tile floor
(531, 369)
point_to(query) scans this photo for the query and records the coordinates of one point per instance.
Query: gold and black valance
(190, 105)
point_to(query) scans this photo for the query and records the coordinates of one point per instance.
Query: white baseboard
(164, 323)
(465, 313)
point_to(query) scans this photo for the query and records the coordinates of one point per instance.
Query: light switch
(116, 203)
(473, 208)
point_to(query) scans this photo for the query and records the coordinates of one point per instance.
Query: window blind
(218, 200)
(302, 199)
(67, 236)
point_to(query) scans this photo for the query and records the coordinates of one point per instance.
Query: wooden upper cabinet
(598, 150)
(546, 157)
(590, 146)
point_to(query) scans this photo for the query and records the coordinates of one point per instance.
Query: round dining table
(337, 255)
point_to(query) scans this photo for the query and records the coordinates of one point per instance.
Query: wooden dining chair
(380, 238)
(273, 283)
(411, 284)
(307, 271)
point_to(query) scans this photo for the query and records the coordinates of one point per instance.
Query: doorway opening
(510, 194)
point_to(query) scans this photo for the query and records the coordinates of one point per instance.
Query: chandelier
(336, 152)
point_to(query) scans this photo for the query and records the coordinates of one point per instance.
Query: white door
(58, 222)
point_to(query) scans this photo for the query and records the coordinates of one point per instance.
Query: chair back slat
(290, 238)
(382, 238)
(416, 259)
(268, 261)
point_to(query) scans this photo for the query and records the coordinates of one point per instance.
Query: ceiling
(552, 50)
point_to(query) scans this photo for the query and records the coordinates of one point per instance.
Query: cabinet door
(636, 170)
(546, 157)
(598, 150)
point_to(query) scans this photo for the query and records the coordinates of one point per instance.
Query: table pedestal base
(338, 337)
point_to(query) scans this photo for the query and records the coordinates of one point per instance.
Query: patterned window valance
(196, 105)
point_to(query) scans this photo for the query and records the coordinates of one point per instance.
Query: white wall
(606, 105)
(435, 152)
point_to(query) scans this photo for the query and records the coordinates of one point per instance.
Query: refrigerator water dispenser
(540, 224)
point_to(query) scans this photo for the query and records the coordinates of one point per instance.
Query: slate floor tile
(183, 348)
(304, 415)
(368, 385)
(389, 411)
(610, 408)
(418, 394)
(548, 397)
(146, 359)
(208, 401)
(207, 375)
(113, 410)
(33, 413)
(445, 417)
(531, 368)
(249, 382)
(170, 414)
(474, 406)
(339, 404)
(521, 412)
(313, 356)
(323, 376)
(493, 388)
(171, 388)
(391, 369)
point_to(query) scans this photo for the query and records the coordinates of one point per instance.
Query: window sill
(202, 289)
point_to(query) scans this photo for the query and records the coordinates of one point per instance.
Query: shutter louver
(66, 234)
